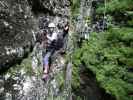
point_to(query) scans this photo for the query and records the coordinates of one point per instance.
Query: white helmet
(51, 25)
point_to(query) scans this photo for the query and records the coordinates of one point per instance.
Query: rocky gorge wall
(19, 20)
(17, 25)
(20, 81)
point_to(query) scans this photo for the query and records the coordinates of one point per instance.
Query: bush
(109, 55)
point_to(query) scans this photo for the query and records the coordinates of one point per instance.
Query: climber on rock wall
(52, 37)
(55, 41)
(49, 40)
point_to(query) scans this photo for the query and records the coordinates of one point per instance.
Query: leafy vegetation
(121, 10)
(116, 6)
(26, 66)
(75, 5)
(109, 55)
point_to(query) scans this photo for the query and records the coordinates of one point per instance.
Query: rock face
(53, 7)
(18, 23)
(19, 20)
(16, 27)
(19, 83)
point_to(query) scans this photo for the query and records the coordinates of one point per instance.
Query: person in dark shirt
(52, 37)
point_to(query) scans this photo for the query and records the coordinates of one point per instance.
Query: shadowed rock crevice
(17, 25)
(37, 8)
(90, 89)
(51, 7)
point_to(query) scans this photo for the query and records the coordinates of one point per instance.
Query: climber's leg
(46, 65)
(46, 62)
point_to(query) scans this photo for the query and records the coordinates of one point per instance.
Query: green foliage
(75, 69)
(87, 19)
(25, 65)
(116, 6)
(109, 55)
(75, 77)
(121, 10)
(60, 79)
(130, 22)
(75, 5)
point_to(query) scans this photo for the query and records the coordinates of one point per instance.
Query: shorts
(46, 58)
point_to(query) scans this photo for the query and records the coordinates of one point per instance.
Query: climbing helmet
(51, 25)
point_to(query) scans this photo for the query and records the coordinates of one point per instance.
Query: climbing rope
(104, 14)
(104, 8)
